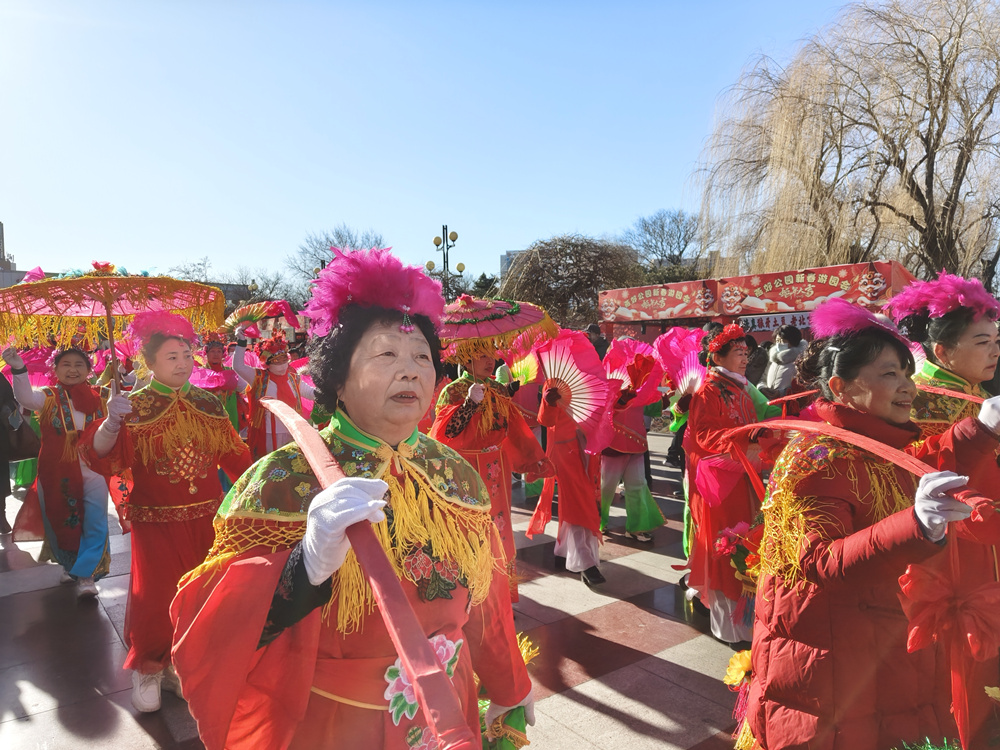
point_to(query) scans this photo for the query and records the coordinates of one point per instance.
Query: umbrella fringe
(463, 351)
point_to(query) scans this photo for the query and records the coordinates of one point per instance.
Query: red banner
(868, 284)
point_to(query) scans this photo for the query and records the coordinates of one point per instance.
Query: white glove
(118, 407)
(495, 710)
(477, 392)
(12, 358)
(989, 414)
(934, 508)
(342, 504)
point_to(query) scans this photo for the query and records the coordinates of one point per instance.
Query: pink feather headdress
(169, 324)
(837, 317)
(371, 278)
(941, 296)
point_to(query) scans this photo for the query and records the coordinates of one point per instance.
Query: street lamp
(444, 245)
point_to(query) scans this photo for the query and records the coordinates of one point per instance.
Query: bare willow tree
(879, 140)
(314, 252)
(564, 275)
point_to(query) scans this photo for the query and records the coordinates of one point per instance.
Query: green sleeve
(764, 410)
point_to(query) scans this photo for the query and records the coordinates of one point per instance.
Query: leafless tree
(564, 274)
(878, 140)
(197, 270)
(666, 238)
(315, 252)
(270, 285)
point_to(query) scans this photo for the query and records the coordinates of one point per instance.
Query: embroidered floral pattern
(435, 578)
(400, 693)
(421, 738)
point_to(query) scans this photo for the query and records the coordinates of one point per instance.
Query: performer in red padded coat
(830, 664)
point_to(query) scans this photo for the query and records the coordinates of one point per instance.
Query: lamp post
(444, 243)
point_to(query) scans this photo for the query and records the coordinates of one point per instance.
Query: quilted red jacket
(830, 667)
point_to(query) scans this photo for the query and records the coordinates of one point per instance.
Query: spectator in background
(756, 360)
(597, 339)
(788, 345)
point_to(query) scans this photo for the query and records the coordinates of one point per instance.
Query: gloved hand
(683, 403)
(989, 414)
(118, 407)
(552, 395)
(477, 392)
(342, 504)
(495, 710)
(12, 358)
(626, 395)
(934, 508)
(513, 387)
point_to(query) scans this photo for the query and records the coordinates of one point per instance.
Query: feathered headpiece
(731, 332)
(371, 278)
(169, 324)
(266, 349)
(213, 338)
(941, 296)
(837, 317)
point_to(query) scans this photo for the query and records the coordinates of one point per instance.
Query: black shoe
(559, 563)
(700, 608)
(4, 526)
(592, 576)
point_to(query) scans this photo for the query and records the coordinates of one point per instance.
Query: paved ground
(625, 667)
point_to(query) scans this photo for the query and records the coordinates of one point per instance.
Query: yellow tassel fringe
(176, 429)
(466, 536)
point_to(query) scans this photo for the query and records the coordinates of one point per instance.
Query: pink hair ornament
(941, 296)
(169, 324)
(837, 317)
(372, 278)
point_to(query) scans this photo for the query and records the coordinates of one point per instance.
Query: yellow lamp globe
(460, 267)
(429, 265)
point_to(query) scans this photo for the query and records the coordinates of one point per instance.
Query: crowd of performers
(867, 593)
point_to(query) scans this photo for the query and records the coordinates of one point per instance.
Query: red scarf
(285, 392)
(84, 397)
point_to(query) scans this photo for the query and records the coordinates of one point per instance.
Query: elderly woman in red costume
(71, 499)
(175, 438)
(954, 321)
(278, 643)
(723, 401)
(276, 380)
(841, 526)
(476, 417)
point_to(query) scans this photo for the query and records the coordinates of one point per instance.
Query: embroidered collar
(166, 390)
(932, 372)
(341, 424)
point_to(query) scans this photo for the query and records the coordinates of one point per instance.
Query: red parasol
(571, 361)
(433, 687)
(90, 305)
(473, 327)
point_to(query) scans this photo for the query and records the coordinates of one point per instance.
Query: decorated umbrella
(258, 311)
(571, 362)
(92, 304)
(939, 607)
(634, 363)
(475, 327)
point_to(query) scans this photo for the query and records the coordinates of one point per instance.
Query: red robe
(172, 444)
(718, 405)
(317, 684)
(578, 475)
(495, 451)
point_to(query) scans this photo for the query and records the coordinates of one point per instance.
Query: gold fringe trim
(501, 731)
(787, 531)
(463, 351)
(465, 536)
(745, 739)
(176, 429)
(495, 408)
(238, 535)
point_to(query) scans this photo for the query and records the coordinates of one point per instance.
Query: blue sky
(153, 133)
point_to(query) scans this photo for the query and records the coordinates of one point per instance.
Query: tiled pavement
(627, 665)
